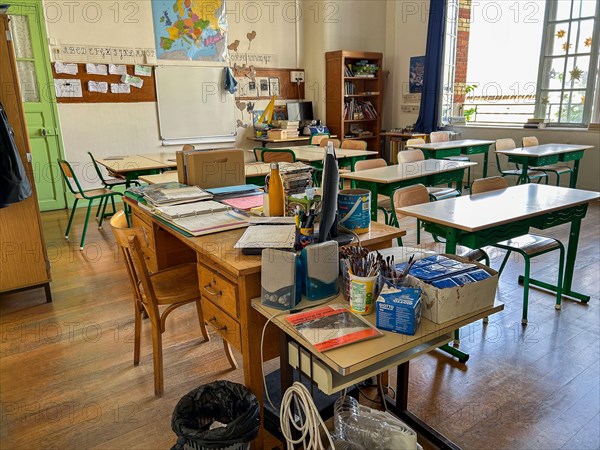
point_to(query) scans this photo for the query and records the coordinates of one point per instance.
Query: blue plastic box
(399, 311)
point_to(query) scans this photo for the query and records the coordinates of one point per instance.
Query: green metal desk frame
(470, 150)
(478, 239)
(455, 175)
(536, 161)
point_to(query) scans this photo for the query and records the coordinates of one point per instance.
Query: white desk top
(452, 144)
(132, 163)
(167, 158)
(313, 153)
(545, 150)
(477, 212)
(407, 171)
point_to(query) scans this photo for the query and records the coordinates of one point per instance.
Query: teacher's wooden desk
(484, 219)
(229, 281)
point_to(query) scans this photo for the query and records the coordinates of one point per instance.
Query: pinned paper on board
(69, 69)
(96, 69)
(142, 71)
(117, 69)
(98, 86)
(133, 81)
(68, 88)
(120, 88)
(274, 87)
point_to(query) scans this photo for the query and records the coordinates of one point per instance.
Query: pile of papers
(286, 129)
(296, 178)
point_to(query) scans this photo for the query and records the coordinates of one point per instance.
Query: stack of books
(286, 129)
(536, 123)
(365, 69)
(359, 110)
(296, 178)
(167, 194)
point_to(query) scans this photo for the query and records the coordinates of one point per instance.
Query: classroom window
(525, 59)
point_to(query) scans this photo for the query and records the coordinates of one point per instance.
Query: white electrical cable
(308, 429)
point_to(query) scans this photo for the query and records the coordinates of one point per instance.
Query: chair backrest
(439, 136)
(315, 139)
(505, 144)
(352, 144)
(367, 164)
(70, 179)
(414, 141)
(97, 167)
(133, 242)
(488, 184)
(269, 155)
(324, 142)
(406, 156)
(410, 195)
(530, 141)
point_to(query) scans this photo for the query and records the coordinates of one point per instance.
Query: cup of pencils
(392, 276)
(363, 278)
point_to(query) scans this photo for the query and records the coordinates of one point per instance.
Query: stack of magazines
(168, 194)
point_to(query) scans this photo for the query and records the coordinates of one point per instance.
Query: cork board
(147, 93)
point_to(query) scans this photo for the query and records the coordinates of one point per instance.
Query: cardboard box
(399, 312)
(442, 305)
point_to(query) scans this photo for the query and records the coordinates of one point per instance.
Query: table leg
(573, 183)
(524, 178)
(569, 267)
(485, 163)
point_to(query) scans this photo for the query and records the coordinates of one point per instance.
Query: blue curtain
(429, 114)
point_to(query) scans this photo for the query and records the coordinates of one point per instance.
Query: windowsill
(517, 127)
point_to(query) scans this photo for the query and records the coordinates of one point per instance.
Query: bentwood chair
(158, 294)
(528, 246)
(90, 195)
(557, 169)
(108, 182)
(413, 141)
(418, 194)
(436, 193)
(384, 203)
(269, 155)
(316, 139)
(325, 142)
(532, 175)
(354, 144)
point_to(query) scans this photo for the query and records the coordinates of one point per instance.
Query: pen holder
(363, 293)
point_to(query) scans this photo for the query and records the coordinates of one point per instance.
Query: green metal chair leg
(385, 215)
(400, 244)
(526, 289)
(85, 224)
(559, 284)
(456, 338)
(73, 208)
(462, 356)
(112, 199)
(103, 214)
(504, 261)
(418, 231)
(99, 207)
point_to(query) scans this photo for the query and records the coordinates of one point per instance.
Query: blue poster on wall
(190, 29)
(417, 70)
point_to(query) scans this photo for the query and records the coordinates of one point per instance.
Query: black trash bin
(230, 403)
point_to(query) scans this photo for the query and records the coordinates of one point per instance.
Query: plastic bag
(230, 403)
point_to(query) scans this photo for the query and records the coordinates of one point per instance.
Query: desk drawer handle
(215, 324)
(208, 288)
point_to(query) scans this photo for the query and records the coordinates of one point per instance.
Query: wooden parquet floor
(67, 379)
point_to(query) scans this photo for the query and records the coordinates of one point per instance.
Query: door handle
(44, 132)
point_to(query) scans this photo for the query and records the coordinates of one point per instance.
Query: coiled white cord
(309, 428)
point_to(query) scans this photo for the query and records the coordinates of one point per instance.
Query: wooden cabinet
(24, 260)
(354, 95)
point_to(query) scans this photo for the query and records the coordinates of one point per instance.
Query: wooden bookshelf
(343, 88)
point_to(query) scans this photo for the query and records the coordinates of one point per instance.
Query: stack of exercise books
(296, 178)
(172, 193)
(286, 129)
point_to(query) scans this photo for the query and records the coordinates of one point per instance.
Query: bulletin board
(147, 93)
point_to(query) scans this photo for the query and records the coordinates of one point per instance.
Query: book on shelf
(359, 110)
(331, 327)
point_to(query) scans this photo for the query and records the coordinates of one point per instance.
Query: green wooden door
(37, 89)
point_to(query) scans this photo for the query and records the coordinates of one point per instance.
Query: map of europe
(190, 29)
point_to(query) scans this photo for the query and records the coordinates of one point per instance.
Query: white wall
(118, 128)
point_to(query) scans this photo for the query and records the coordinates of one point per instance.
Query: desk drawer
(146, 224)
(219, 290)
(571, 156)
(228, 328)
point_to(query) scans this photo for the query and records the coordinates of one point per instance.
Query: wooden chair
(109, 182)
(384, 203)
(324, 142)
(509, 144)
(557, 169)
(528, 245)
(436, 193)
(353, 144)
(90, 195)
(164, 290)
(413, 141)
(417, 195)
(439, 136)
(269, 155)
(315, 139)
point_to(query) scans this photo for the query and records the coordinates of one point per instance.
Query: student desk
(266, 141)
(385, 180)
(229, 281)
(441, 150)
(133, 166)
(340, 368)
(484, 219)
(314, 155)
(543, 155)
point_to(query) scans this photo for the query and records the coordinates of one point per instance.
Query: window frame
(450, 34)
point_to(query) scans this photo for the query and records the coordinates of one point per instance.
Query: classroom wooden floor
(67, 378)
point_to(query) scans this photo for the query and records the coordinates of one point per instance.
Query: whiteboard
(193, 106)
